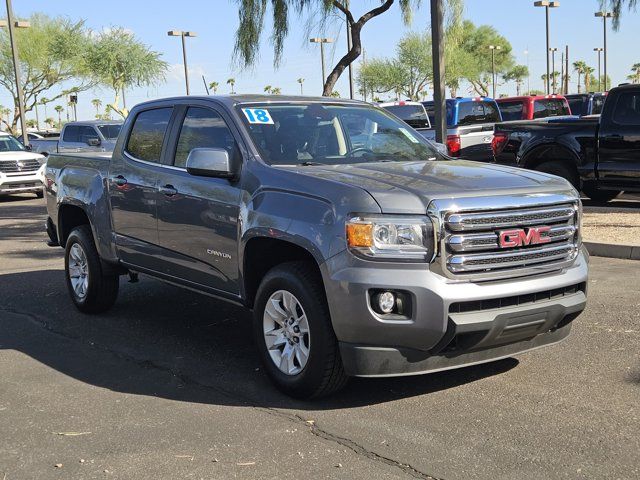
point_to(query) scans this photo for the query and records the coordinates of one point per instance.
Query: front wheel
(293, 332)
(91, 290)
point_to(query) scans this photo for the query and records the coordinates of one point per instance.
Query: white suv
(21, 171)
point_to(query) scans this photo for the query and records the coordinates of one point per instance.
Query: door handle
(119, 181)
(168, 190)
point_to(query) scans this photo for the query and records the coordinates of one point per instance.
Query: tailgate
(475, 141)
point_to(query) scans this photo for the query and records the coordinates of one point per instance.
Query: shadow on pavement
(162, 341)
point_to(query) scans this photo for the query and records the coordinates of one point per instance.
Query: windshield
(314, 133)
(9, 143)
(110, 132)
(473, 113)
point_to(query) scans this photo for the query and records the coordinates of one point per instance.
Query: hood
(409, 187)
(20, 156)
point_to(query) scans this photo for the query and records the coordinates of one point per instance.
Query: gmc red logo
(519, 237)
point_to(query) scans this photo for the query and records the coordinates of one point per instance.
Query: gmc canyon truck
(361, 250)
(601, 155)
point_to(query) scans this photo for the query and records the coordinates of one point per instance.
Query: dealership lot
(167, 385)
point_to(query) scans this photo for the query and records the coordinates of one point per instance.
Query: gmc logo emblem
(519, 237)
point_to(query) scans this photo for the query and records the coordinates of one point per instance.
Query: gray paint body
(197, 238)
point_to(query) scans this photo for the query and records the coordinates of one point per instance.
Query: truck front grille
(472, 246)
(18, 166)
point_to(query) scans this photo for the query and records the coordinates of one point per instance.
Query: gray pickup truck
(80, 137)
(361, 250)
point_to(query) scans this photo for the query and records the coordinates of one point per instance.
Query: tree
(276, 91)
(616, 6)
(579, 67)
(214, 86)
(517, 74)
(231, 82)
(51, 53)
(49, 121)
(588, 77)
(409, 73)
(97, 103)
(335, 94)
(252, 19)
(59, 109)
(43, 102)
(301, 81)
(267, 89)
(117, 59)
(636, 69)
(31, 123)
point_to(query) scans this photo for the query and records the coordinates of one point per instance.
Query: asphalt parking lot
(166, 385)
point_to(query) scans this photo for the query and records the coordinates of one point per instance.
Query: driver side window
(202, 128)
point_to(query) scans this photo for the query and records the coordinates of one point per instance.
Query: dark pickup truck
(601, 156)
(361, 249)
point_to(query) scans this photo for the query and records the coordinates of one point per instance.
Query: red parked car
(530, 107)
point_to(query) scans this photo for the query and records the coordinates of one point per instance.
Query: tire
(96, 291)
(561, 170)
(600, 195)
(322, 373)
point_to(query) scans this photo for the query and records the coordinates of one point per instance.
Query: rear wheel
(91, 290)
(561, 170)
(597, 195)
(293, 332)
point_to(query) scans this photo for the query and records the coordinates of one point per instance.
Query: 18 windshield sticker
(258, 115)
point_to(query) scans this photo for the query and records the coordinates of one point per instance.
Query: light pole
(604, 16)
(179, 33)
(321, 41)
(599, 50)
(437, 53)
(493, 49)
(547, 5)
(553, 67)
(301, 81)
(11, 24)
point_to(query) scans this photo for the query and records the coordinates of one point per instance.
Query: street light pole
(179, 33)
(604, 16)
(599, 50)
(547, 5)
(553, 67)
(11, 24)
(437, 53)
(493, 49)
(321, 41)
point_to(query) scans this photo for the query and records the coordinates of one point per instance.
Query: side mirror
(212, 162)
(93, 142)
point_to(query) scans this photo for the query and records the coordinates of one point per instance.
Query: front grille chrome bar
(490, 220)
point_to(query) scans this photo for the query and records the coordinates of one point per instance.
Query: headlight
(391, 238)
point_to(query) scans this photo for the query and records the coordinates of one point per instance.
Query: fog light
(386, 302)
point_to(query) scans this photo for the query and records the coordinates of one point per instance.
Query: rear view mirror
(93, 142)
(212, 162)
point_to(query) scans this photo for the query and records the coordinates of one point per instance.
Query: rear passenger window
(85, 133)
(71, 133)
(549, 108)
(511, 110)
(473, 113)
(147, 134)
(202, 128)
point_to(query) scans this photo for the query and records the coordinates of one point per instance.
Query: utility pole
(599, 50)
(437, 50)
(604, 16)
(547, 5)
(179, 33)
(553, 67)
(493, 49)
(566, 69)
(562, 72)
(11, 24)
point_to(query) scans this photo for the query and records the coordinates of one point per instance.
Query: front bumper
(26, 182)
(440, 334)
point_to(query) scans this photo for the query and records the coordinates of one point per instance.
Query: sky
(215, 21)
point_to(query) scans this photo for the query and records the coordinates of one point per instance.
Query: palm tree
(43, 102)
(579, 67)
(59, 109)
(49, 121)
(267, 89)
(276, 91)
(588, 74)
(636, 72)
(214, 86)
(301, 81)
(96, 102)
(335, 94)
(231, 82)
